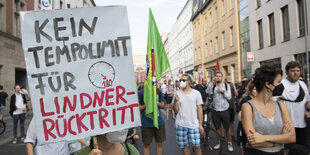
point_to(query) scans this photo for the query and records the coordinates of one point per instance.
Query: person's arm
(160, 102)
(175, 101)
(227, 93)
(308, 106)
(200, 118)
(247, 124)
(83, 142)
(259, 140)
(140, 98)
(235, 90)
(29, 148)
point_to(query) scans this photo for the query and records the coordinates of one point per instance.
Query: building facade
(139, 62)
(216, 36)
(180, 53)
(12, 63)
(245, 46)
(278, 31)
(66, 4)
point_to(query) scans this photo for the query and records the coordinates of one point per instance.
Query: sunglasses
(182, 80)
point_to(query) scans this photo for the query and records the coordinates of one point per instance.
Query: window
(285, 23)
(258, 3)
(1, 12)
(301, 17)
(18, 6)
(231, 36)
(211, 19)
(216, 15)
(272, 34)
(206, 50)
(223, 40)
(232, 4)
(61, 4)
(223, 7)
(260, 34)
(211, 48)
(217, 45)
(199, 53)
(206, 23)
(68, 6)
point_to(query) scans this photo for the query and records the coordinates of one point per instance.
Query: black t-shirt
(3, 96)
(243, 100)
(202, 91)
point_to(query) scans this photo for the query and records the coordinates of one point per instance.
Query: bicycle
(2, 127)
(210, 137)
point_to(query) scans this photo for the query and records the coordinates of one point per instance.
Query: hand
(220, 90)
(95, 152)
(287, 126)
(255, 137)
(176, 98)
(201, 130)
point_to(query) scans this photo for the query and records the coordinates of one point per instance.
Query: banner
(75, 62)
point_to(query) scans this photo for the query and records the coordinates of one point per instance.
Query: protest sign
(80, 72)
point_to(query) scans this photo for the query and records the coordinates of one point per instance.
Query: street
(169, 146)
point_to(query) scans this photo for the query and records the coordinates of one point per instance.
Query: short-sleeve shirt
(148, 122)
(296, 109)
(187, 115)
(3, 96)
(58, 148)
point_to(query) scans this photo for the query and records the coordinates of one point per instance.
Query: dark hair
(219, 72)
(265, 74)
(1, 87)
(189, 77)
(292, 64)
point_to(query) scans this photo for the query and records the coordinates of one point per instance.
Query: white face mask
(183, 84)
(117, 136)
(171, 83)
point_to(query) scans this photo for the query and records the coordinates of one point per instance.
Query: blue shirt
(147, 122)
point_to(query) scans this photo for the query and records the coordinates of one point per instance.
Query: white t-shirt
(19, 103)
(163, 88)
(296, 109)
(58, 148)
(188, 115)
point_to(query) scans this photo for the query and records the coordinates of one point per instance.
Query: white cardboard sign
(80, 72)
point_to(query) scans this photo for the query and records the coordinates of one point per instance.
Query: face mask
(183, 84)
(117, 136)
(171, 83)
(278, 90)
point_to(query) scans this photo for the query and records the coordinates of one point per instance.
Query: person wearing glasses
(187, 104)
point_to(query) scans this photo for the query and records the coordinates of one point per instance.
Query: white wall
(284, 50)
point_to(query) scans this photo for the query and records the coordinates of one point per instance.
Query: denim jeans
(22, 118)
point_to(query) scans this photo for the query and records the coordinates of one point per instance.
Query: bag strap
(127, 148)
(299, 98)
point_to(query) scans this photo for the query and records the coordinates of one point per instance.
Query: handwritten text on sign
(80, 72)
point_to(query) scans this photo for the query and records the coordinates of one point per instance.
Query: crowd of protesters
(269, 109)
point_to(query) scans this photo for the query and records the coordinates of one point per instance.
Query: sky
(165, 13)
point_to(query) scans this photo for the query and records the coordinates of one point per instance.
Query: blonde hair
(249, 89)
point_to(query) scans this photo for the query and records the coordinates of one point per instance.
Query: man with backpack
(221, 94)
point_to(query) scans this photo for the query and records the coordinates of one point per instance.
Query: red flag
(217, 65)
(199, 79)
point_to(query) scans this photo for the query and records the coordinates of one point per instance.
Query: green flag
(157, 62)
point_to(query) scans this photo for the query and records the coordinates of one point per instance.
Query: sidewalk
(7, 136)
